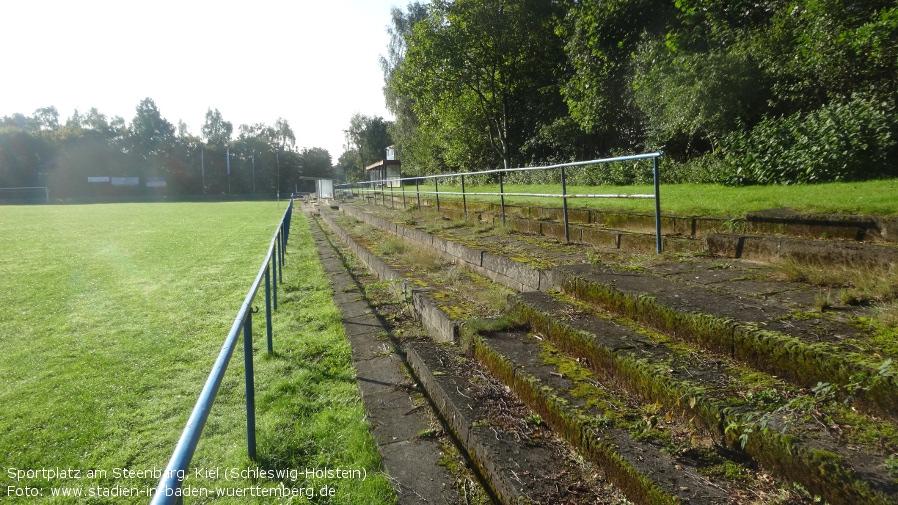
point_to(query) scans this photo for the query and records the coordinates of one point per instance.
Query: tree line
(733, 91)
(43, 150)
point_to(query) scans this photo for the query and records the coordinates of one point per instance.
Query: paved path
(412, 463)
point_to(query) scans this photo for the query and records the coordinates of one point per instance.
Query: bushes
(839, 142)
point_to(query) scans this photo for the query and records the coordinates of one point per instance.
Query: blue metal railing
(380, 186)
(272, 266)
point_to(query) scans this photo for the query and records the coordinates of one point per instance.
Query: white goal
(35, 194)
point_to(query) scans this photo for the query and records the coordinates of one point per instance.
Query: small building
(384, 173)
(318, 186)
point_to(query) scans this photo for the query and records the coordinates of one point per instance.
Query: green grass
(870, 197)
(113, 317)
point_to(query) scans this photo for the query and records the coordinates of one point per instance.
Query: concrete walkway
(411, 462)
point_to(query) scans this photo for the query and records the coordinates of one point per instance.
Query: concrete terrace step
(765, 236)
(531, 472)
(521, 461)
(665, 374)
(783, 222)
(737, 324)
(705, 391)
(751, 330)
(600, 425)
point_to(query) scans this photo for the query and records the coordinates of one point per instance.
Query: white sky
(312, 62)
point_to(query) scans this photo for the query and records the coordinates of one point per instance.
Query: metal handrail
(369, 186)
(176, 470)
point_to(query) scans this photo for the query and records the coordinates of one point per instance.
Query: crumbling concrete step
(597, 424)
(764, 236)
(701, 390)
(516, 453)
(521, 461)
(748, 329)
(823, 252)
(842, 467)
(430, 313)
(849, 227)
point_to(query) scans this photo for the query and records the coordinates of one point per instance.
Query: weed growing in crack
(822, 301)
(797, 494)
(891, 464)
(858, 284)
(391, 246)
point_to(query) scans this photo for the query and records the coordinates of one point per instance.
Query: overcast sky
(313, 62)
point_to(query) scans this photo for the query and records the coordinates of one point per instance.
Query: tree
(403, 130)
(47, 118)
(700, 96)
(284, 134)
(818, 51)
(600, 38)
(23, 156)
(257, 147)
(315, 162)
(367, 138)
(485, 73)
(150, 133)
(96, 122)
(216, 131)
(345, 165)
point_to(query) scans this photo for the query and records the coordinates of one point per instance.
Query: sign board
(125, 181)
(155, 182)
(98, 179)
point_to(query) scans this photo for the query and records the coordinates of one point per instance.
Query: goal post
(30, 194)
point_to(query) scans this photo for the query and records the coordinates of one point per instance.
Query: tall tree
(284, 135)
(404, 128)
(367, 138)
(150, 132)
(485, 70)
(47, 118)
(216, 131)
(600, 37)
(315, 162)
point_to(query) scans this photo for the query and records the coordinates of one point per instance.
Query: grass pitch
(868, 197)
(113, 316)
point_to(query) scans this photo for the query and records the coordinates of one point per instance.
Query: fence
(382, 187)
(271, 272)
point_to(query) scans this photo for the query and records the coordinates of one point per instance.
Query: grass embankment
(114, 316)
(870, 197)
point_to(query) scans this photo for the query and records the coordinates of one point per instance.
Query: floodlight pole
(277, 158)
(203, 167)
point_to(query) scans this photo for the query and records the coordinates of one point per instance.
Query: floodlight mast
(277, 157)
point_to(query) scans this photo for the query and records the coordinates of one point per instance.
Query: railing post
(567, 230)
(464, 201)
(436, 185)
(281, 257)
(268, 308)
(502, 196)
(418, 191)
(402, 185)
(287, 218)
(274, 285)
(657, 206)
(250, 385)
(392, 197)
